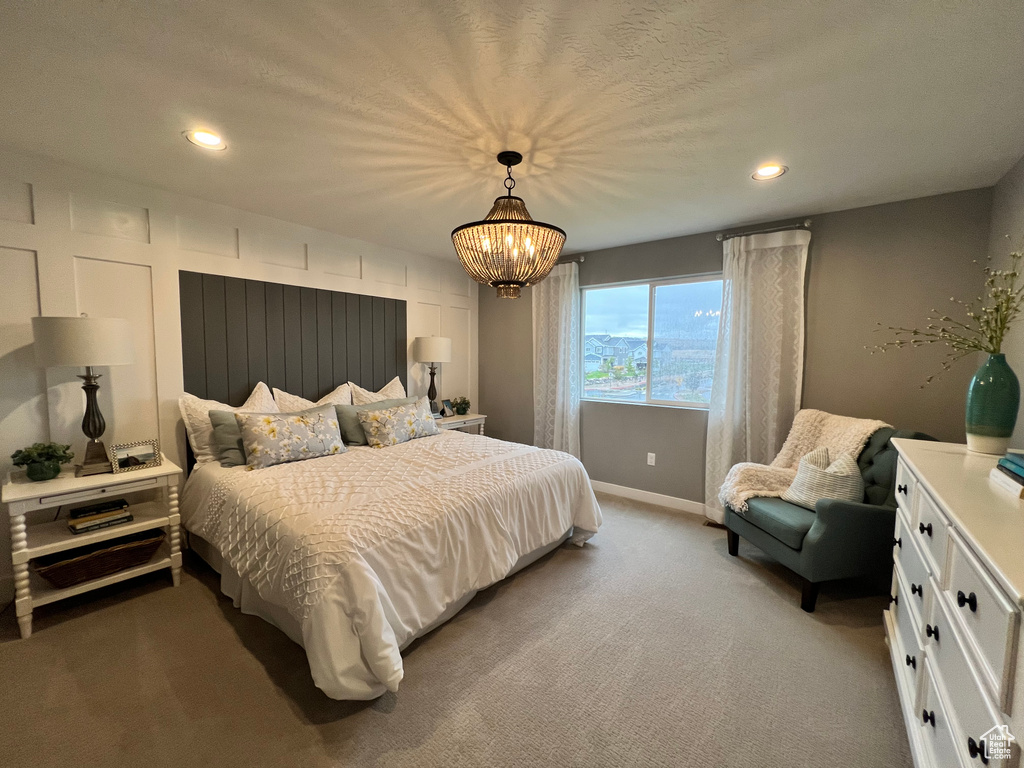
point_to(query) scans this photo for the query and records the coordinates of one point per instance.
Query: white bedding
(368, 549)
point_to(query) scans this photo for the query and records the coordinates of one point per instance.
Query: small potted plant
(461, 405)
(42, 460)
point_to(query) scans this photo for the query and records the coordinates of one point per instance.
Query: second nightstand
(467, 420)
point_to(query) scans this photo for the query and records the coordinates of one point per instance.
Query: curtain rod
(805, 224)
(579, 257)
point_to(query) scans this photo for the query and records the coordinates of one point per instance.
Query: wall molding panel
(79, 241)
(16, 201)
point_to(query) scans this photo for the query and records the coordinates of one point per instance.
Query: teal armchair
(836, 540)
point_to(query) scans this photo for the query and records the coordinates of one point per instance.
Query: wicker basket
(95, 561)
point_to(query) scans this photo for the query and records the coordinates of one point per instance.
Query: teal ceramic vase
(993, 398)
(42, 470)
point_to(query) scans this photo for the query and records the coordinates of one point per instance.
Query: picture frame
(446, 408)
(127, 457)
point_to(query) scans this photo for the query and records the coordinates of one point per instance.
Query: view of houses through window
(630, 356)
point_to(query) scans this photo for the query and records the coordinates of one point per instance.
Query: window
(651, 342)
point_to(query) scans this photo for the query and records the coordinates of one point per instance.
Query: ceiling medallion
(508, 249)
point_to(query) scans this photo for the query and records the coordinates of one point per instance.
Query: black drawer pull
(912, 661)
(932, 631)
(894, 599)
(898, 542)
(927, 717)
(902, 489)
(917, 589)
(925, 528)
(976, 749)
(971, 601)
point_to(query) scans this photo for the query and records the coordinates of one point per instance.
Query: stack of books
(1008, 474)
(101, 515)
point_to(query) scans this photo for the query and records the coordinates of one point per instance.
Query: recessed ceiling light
(206, 140)
(769, 171)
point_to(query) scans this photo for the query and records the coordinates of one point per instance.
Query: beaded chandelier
(508, 249)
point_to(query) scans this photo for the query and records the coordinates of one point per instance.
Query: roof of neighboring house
(592, 358)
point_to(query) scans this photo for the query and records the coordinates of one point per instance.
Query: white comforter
(367, 549)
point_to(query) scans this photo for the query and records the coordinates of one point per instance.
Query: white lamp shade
(78, 342)
(432, 349)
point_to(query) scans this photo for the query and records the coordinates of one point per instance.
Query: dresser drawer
(972, 710)
(912, 563)
(930, 532)
(906, 487)
(936, 728)
(908, 635)
(991, 621)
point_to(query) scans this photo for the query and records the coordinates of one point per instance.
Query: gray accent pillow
(817, 479)
(226, 442)
(391, 426)
(348, 417)
(277, 438)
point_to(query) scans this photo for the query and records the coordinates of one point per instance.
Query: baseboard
(649, 497)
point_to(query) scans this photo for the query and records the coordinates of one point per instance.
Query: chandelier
(508, 249)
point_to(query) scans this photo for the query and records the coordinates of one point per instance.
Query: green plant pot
(462, 411)
(42, 470)
(993, 398)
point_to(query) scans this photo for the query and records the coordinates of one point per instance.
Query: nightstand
(468, 420)
(153, 500)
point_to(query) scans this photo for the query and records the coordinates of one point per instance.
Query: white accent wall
(72, 241)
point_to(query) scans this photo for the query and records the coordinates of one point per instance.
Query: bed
(355, 555)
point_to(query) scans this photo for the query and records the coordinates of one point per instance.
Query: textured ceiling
(380, 120)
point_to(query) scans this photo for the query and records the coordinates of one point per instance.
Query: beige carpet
(648, 647)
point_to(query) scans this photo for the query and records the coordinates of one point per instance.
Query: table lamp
(432, 350)
(85, 342)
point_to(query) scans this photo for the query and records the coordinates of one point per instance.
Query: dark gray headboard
(306, 341)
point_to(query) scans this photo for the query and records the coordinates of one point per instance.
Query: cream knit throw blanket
(811, 429)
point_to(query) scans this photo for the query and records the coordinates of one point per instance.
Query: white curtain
(759, 360)
(556, 360)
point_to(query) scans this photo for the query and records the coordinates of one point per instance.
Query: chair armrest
(848, 538)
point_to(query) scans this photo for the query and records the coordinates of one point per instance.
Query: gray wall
(506, 365)
(1007, 235)
(887, 264)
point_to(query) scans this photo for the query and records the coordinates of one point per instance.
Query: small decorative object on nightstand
(42, 460)
(156, 489)
(465, 420)
(460, 405)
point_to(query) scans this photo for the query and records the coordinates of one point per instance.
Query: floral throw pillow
(276, 438)
(400, 424)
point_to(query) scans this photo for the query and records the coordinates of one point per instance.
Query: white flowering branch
(986, 325)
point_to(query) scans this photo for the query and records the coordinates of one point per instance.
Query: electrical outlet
(650, 459)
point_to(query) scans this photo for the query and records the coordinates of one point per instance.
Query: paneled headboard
(306, 341)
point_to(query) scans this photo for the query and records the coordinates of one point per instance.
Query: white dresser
(954, 618)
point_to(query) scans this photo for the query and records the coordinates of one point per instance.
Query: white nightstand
(458, 422)
(158, 509)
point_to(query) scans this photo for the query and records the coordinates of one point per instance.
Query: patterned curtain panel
(759, 362)
(556, 360)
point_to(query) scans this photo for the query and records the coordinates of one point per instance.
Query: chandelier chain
(509, 182)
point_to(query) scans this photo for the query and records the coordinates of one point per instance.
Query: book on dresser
(1007, 482)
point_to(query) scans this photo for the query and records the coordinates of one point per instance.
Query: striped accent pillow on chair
(817, 479)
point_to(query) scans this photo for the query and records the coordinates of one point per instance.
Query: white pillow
(289, 403)
(817, 479)
(393, 390)
(196, 414)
